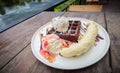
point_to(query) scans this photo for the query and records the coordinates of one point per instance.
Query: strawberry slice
(42, 52)
(49, 56)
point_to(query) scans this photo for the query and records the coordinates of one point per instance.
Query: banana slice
(84, 44)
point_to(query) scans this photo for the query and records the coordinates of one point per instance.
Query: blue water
(17, 13)
(26, 7)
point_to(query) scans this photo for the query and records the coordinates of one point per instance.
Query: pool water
(11, 6)
(13, 12)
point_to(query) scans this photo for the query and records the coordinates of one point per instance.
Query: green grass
(68, 3)
(63, 5)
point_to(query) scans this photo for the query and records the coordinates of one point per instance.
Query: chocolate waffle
(72, 33)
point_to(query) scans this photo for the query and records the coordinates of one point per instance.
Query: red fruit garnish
(45, 48)
(66, 44)
(47, 55)
(42, 52)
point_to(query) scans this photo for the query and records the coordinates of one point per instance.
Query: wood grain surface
(113, 26)
(16, 55)
(15, 39)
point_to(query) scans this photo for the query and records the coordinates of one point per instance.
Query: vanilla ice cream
(60, 24)
(54, 43)
(55, 46)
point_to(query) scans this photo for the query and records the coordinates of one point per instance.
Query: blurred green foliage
(66, 5)
(63, 5)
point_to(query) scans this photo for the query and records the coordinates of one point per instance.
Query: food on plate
(48, 56)
(72, 32)
(63, 37)
(60, 24)
(49, 48)
(84, 44)
(51, 45)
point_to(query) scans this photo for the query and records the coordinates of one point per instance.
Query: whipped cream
(60, 24)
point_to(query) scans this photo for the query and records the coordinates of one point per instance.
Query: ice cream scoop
(52, 43)
(60, 24)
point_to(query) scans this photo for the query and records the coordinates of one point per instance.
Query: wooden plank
(21, 63)
(113, 24)
(25, 62)
(86, 8)
(92, 0)
(111, 5)
(14, 40)
(88, 0)
(39, 67)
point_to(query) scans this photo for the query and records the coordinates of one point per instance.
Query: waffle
(72, 33)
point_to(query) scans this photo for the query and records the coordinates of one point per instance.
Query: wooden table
(16, 55)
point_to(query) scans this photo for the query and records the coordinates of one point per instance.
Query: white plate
(89, 58)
